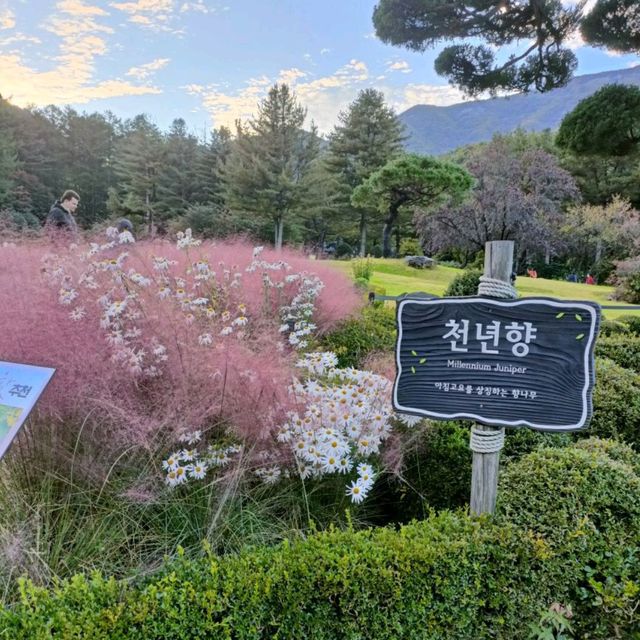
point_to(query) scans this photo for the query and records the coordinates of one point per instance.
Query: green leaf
(423, 360)
(413, 353)
(560, 315)
(413, 369)
(580, 336)
(578, 317)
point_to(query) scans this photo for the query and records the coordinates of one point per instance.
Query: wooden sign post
(496, 360)
(498, 264)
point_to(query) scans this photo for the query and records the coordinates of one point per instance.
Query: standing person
(61, 214)
(589, 279)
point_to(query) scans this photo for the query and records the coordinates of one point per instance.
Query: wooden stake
(498, 264)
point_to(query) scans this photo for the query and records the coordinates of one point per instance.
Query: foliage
(555, 492)
(368, 135)
(613, 24)
(362, 268)
(582, 497)
(596, 234)
(269, 160)
(612, 327)
(467, 578)
(606, 123)
(519, 194)
(356, 338)
(546, 27)
(623, 350)
(632, 322)
(410, 247)
(616, 401)
(627, 277)
(411, 181)
(464, 284)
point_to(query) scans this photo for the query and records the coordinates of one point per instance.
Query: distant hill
(436, 130)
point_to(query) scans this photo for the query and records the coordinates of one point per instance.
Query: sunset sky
(211, 61)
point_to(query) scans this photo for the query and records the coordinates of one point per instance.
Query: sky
(212, 61)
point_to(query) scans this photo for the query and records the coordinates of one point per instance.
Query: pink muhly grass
(236, 383)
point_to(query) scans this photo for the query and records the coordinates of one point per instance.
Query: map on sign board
(20, 387)
(526, 362)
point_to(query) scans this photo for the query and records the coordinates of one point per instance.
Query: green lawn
(396, 278)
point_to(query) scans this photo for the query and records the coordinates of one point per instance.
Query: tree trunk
(279, 229)
(598, 250)
(149, 214)
(397, 240)
(387, 229)
(547, 256)
(363, 235)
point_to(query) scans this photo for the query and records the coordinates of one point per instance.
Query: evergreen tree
(542, 27)
(368, 136)
(411, 181)
(176, 182)
(89, 148)
(265, 171)
(137, 164)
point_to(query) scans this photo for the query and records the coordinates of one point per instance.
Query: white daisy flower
(356, 491)
(198, 470)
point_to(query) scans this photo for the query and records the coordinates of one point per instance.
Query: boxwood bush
(585, 498)
(622, 349)
(616, 403)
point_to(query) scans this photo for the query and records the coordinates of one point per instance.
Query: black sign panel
(526, 362)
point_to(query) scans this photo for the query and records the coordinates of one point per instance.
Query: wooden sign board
(20, 388)
(526, 362)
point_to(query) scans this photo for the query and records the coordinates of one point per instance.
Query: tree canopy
(544, 62)
(411, 181)
(606, 123)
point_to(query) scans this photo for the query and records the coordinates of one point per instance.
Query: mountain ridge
(436, 130)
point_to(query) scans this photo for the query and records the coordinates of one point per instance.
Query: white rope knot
(496, 288)
(486, 441)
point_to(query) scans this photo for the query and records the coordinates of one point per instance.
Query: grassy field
(396, 278)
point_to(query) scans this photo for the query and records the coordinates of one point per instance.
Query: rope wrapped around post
(491, 441)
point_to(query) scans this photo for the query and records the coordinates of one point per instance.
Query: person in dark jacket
(61, 214)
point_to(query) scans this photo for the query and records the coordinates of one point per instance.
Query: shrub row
(567, 532)
(375, 330)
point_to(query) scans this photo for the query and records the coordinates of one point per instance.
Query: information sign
(526, 362)
(20, 387)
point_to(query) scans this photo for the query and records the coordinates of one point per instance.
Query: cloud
(399, 65)
(325, 50)
(81, 37)
(7, 19)
(401, 98)
(323, 96)
(160, 15)
(79, 8)
(146, 70)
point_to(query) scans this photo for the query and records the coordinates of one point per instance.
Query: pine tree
(176, 183)
(368, 136)
(270, 158)
(137, 163)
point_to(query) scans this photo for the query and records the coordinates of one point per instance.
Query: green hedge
(375, 330)
(622, 349)
(567, 531)
(584, 500)
(616, 403)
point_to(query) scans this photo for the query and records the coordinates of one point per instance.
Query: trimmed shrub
(556, 492)
(464, 284)
(580, 500)
(616, 403)
(612, 327)
(375, 330)
(449, 577)
(624, 350)
(632, 322)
